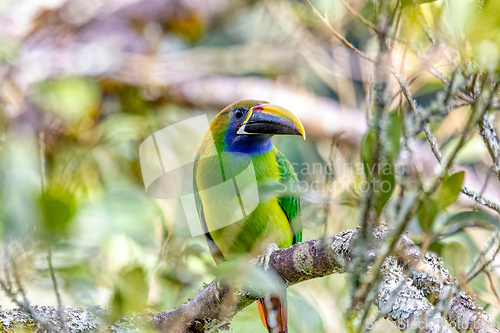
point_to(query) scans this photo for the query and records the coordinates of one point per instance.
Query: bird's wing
(214, 249)
(289, 203)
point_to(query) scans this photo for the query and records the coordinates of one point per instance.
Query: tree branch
(413, 292)
(488, 133)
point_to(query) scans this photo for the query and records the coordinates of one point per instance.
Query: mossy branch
(414, 291)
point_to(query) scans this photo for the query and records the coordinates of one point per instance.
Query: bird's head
(247, 126)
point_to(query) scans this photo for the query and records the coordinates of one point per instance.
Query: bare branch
(357, 15)
(338, 35)
(214, 305)
(56, 291)
(490, 138)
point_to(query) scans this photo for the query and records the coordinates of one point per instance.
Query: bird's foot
(271, 247)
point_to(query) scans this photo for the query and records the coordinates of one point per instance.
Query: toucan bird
(239, 137)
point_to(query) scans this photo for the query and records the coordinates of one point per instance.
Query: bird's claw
(271, 247)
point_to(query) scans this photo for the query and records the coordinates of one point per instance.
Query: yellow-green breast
(267, 223)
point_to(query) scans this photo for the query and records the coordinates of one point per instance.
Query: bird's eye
(239, 112)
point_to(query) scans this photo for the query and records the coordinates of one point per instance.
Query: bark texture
(415, 291)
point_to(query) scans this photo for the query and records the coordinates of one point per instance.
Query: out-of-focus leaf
(132, 102)
(461, 13)
(248, 322)
(58, 208)
(386, 173)
(9, 49)
(415, 21)
(118, 212)
(253, 278)
(456, 254)
(476, 218)
(427, 214)
(446, 194)
(71, 98)
(19, 185)
(381, 175)
(459, 253)
(303, 314)
(430, 87)
(393, 135)
(368, 148)
(437, 247)
(415, 2)
(130, 292)
(56, 213)
(384, 187)
(189, 26)
(471, 151)
(450, 189)
(481, 30)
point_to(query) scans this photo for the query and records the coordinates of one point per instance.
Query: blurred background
(83, 83)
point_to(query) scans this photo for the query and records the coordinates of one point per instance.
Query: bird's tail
(273, 311)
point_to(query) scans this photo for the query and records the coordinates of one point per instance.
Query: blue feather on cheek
(251, 144)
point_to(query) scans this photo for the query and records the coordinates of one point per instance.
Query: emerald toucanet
(239, 137)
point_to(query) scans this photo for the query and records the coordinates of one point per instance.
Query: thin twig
(486, 264)
(339, 36)
(435, 146)
(56, 291)
(424, 25)
(480, 199)
(41, 142)
(490, 139)
(442, 78)
(491, 281)
(422, 197)
(483, 252)
(12, 294)
(359, 16)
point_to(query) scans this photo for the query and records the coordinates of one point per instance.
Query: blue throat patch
(251, 144)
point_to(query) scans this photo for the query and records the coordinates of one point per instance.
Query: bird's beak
(272, 120)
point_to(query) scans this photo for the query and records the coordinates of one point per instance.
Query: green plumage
(276, 218)
(242, 190)
(290, 204)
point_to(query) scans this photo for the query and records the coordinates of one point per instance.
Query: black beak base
(269, 128)
(262, 123)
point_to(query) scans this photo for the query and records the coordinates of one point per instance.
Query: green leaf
(450, 189)
(130, 293)
(432, 86)
(304, 315)
(437, 247)
(446, 194)
(393, 135)
(368, 148)
(456, 254)
(379, 174)
(476, 218)
(405, 3)
(56, 213)
(71, 98)
(58, 208)
(427, 214)
(460, 251)
(384, 187)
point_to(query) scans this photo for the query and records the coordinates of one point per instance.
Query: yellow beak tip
(284, 113)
